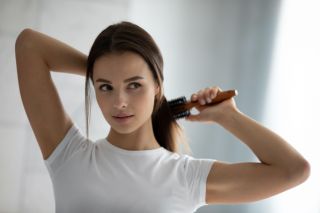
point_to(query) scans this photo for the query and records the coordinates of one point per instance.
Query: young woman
(136, 167)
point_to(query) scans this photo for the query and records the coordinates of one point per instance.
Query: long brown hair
(126, 36)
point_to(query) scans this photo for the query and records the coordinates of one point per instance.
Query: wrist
(228, 117)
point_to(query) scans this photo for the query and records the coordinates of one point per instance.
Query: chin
(128, 128)
(122, 130)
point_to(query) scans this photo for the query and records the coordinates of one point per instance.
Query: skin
(280, 166)
(134, 97)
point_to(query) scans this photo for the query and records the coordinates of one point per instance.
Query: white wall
(25, 184)
(293, 103)
(204, 43)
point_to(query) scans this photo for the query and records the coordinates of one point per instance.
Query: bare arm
(36, 55)
(281, 167)
(56, 55)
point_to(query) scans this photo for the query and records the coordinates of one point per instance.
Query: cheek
(141, 103)
(147, 97)
(148, 104)
(142, 98)
(103, 103)
(99, 99)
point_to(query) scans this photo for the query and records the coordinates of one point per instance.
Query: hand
(211, 114)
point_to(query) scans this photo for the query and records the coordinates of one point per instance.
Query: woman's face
(124, 86)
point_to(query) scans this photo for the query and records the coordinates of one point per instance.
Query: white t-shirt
(98, 177)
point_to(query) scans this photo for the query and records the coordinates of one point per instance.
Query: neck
(140, 139)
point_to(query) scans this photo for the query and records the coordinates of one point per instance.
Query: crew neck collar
(132, 152)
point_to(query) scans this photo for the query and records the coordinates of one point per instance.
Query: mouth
(122, 116)
(122, 119)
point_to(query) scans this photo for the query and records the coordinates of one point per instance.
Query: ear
(157, 89)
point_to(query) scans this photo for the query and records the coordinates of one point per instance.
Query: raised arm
(281, 167)
(36, 55)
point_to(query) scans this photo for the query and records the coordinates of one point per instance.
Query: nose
(120, 100)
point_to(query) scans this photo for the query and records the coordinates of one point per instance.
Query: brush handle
(221, 96)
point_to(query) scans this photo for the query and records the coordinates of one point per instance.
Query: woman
(136, 168)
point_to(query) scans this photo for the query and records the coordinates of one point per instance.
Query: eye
(137, 85)
(108, 87)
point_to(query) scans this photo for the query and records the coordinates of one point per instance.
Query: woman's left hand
(211, 114)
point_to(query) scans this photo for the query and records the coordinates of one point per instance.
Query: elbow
(306, 170)
(299, 172)
(23, 39)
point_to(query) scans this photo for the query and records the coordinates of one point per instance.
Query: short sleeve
(70, 144)
(196, 171)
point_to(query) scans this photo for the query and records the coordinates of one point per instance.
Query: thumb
(192, 117)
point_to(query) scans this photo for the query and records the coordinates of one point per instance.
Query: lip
(121, 114)
(123, 119)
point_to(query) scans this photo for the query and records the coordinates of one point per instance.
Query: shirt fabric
(98, 177)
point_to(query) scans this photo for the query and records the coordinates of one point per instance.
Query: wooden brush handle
(221, 96)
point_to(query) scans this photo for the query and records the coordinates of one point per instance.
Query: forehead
(116, 66)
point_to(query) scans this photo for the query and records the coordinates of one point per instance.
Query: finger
(194, 97)
(207, 94)
(192, 117)
(201, 96)
(214, 92)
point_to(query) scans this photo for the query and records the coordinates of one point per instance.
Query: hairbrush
(180, 107)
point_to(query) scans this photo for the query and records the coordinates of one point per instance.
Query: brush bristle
(177, 107)
(180, 107)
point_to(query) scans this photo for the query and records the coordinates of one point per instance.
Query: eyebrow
(126, 80)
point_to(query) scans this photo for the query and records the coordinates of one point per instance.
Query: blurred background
(267, 50)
